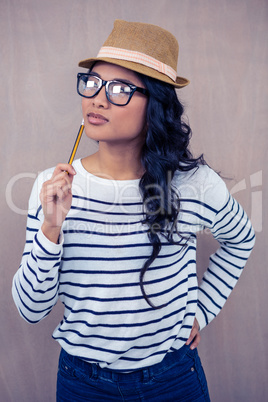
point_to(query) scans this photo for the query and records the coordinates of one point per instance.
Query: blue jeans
(179, 377)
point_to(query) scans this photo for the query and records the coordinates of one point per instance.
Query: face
(115, 124)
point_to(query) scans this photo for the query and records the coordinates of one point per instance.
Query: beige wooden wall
(223, 51)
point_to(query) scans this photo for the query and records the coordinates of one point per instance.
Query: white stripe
(137, 57)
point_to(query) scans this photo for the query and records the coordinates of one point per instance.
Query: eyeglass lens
(117, 92)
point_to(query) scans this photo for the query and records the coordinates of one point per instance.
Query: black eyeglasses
(118, 93)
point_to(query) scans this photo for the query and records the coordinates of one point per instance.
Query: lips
(96, 119)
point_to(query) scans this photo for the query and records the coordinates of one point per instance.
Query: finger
(61, 189)
(62, 177)
(55, 190)
(196, 341)
(194, 331)
(60, 193)
(64, 168)
(62, 181)
(196, 323)
(192, 335)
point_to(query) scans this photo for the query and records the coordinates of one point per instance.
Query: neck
(115, 162)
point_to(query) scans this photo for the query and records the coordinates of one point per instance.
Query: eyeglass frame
(105, 84)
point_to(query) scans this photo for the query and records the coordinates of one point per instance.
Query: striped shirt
(94, 270)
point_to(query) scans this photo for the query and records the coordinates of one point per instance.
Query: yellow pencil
(78, 138)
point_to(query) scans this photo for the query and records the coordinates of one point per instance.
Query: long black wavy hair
(166, 150)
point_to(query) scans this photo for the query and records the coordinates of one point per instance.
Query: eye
(90, 85)
(92, 82)
(117, 88)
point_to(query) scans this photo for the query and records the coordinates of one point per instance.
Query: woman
(114, 236)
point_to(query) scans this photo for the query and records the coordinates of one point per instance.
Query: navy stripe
(31, 229)
(127, 284)
(124, 298)
(107, 202)
(33, 217)
(30, 309)
(228, 262)
(228, 213)
(91, 232)
(125, 324)
(26, 253)
(87, 346)
(226, 224)
(128, 339)
(238, 221)
(134, 257)
(44, 250)
(235, 248)
(210, 298)
(49, 279)
(203, 204)
(230, 198)
(38, 211)
(220, 279)
(80, 219)
(34, 300)
(119, 246)
(31, 321)
(97, 211)
(152, 268)
(202, 218)
(251, 239)
(189, 223)
(215, 288)
(224, 269)
(41, 291)
(110, 246)
(205, 309)
(56, 265)
(119, 312)
(245, 238)
(233, 255)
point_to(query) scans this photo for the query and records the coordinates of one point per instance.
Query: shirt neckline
(80, 168)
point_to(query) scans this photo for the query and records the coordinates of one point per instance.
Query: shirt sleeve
(35, 284)
(232, 228)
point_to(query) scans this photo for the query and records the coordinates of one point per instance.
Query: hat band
(137, 57)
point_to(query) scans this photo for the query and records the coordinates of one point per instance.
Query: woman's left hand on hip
(195, 336)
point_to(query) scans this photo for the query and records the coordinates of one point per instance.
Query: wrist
(52, 233)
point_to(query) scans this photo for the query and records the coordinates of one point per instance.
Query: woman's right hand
(56, 200)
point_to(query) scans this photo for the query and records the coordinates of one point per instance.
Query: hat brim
(139, 68)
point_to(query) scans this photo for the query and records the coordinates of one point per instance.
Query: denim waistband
(93, 370)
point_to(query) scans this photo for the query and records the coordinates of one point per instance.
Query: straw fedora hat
(143, 48)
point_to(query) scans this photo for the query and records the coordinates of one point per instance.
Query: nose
(100, 100)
